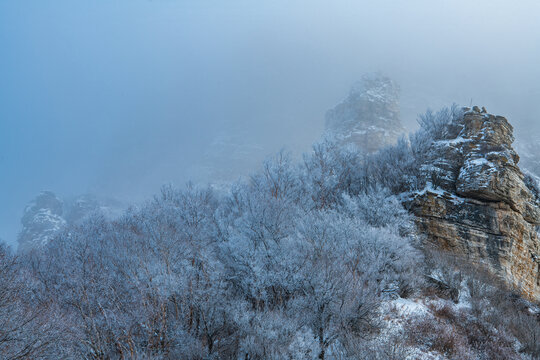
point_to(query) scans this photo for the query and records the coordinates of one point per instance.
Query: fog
(120, 97)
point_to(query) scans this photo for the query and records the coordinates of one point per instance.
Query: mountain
(369, 117)
(47, 215)
(311, 260)
(42, 219)
(479, 203)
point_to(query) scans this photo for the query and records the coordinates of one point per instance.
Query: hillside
(426, 249)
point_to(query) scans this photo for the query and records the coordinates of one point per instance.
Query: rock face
(369, 116)
(42, 219)
(47, 215)
(478, 203)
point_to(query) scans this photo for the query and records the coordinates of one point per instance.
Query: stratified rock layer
(478, 204)
(369, 116)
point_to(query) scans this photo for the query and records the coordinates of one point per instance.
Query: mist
(120, 97)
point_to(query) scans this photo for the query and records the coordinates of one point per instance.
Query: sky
(118, 97)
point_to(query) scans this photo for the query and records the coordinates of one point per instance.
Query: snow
(409, 307)
(369, 130)
(395, 314)
(429, 189)
(458, 140)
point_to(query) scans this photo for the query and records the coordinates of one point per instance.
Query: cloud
(119, 97)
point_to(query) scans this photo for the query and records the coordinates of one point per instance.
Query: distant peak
(369, 117)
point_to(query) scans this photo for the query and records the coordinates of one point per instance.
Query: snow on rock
(478, 203)
(369, 116)
(41, 221)
(47, 215)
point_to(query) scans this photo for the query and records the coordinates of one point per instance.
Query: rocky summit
(41, 221)
(47, 215)
(479, 203)
(369, 117)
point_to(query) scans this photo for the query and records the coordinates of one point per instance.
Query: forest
(305, 259)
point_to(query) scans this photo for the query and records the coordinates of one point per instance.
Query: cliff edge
(479, 203)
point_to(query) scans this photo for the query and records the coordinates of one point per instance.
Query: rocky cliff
(42, 219)
(369, 116)
(479, 203)
(47, 215)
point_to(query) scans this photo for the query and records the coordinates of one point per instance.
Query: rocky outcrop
(42, 219)
(369, 116)
(478, 204)
(47, 215)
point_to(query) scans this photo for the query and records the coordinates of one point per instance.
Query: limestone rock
(478, 203)
(369, 116)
